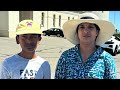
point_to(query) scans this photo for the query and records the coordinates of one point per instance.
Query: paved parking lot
(50, 48)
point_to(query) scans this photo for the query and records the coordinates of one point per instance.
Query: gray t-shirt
(17, 67)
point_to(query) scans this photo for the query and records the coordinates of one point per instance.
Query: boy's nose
(28, 40)
(86, 30)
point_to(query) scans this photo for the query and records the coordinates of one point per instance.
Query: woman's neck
(86, 51)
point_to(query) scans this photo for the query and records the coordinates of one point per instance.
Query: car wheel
(44, 34)
(58, 35)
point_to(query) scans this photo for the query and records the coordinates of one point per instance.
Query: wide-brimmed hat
(107, 29)
(28, 27)
(88, 14)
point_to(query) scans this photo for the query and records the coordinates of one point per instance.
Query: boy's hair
(17, 36)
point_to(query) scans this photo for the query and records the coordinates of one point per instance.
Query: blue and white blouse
(100, 65)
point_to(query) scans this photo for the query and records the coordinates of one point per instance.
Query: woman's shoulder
(108, 57)
(106, 54)
(72, 49)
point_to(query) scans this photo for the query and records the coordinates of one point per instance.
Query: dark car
(53, 31)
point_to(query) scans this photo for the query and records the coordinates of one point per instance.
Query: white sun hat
(87, 14)
(107, 29)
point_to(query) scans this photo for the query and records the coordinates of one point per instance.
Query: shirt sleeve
(4, 74)
(110, 67)
(47, 70)
(61, 68)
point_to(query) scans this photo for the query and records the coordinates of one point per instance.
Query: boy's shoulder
(9, 58)
(41, 60)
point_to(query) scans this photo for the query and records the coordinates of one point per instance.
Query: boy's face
(28, 42)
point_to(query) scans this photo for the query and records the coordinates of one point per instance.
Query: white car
(112, 45)
(118, 50)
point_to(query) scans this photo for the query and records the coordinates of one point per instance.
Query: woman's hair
(87, 17)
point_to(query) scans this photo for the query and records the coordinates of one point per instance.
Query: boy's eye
(34, 35)
(24, 36)
(30, 36)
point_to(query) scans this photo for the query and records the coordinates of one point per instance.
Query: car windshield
(51, 28)
(117, 38)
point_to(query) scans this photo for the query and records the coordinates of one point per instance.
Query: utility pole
(47, 19)
(114, 19)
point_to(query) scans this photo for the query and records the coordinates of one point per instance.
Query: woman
(87, 60)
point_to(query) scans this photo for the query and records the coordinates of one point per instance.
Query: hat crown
(28, 26)
(89, 15)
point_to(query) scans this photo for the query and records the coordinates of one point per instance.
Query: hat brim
(28, 31)
(107, 29)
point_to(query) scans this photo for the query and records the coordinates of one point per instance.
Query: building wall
(13, 21)
(10, 19)
(37, 17)
(48, 19)
(4, 23)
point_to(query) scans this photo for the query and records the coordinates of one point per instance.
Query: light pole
(47, 19)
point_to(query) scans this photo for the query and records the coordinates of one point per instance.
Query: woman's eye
(82, 27)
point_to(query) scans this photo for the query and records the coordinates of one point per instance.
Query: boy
(26, 64)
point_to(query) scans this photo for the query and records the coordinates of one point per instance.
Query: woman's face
(28, 42)
(87, 33)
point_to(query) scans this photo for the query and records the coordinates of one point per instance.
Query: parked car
(117, 38)
(119, 50)
(53, 31)
(112, 45)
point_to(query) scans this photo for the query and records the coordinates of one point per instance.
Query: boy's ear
(17, 41)
(40, 38)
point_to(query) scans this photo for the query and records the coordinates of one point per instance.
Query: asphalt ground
(50, 48)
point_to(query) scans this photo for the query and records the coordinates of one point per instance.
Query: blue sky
(114, 17)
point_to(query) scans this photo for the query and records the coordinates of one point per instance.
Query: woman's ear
(17, 41)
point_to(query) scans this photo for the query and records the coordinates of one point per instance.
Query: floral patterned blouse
(100, 65)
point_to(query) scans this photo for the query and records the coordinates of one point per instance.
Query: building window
(54, 20)
(42, 19)
(60, 20)
(68, 18)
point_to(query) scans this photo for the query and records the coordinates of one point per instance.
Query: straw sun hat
(107, 29)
